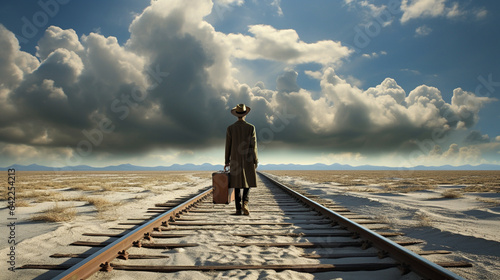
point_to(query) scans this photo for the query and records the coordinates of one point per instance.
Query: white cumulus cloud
(55, 38)
(285, 45)
(413, 9)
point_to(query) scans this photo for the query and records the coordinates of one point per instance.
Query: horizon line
(370, 166)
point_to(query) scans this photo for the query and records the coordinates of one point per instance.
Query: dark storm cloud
(157, 92)
(475, 137)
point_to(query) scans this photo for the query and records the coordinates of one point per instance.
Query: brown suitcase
(222, 193)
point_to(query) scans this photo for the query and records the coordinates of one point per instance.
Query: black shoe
(237, 213)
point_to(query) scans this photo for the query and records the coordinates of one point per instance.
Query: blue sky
(397, 83)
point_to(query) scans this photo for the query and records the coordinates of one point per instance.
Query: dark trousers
(238, 198)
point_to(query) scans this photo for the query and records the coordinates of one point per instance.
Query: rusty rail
(408, 260)
(103, 257)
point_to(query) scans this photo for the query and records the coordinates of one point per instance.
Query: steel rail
(408, 259)
(94, 262)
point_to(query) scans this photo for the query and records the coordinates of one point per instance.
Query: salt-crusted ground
(466, 225)
(36, 241)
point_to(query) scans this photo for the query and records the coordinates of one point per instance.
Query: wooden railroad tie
(302, 222)
(228, 224)
(141, 244)
(311, 244)
(326, 234)
(310, 268)
(365, 254)
(130, 256)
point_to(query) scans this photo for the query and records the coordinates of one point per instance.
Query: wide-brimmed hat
(240, 110)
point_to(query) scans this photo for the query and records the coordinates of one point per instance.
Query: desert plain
(458, 211)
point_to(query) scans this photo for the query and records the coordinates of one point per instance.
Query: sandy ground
(466, 226)
(36, 241)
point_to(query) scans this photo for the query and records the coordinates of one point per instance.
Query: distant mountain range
(211, 167)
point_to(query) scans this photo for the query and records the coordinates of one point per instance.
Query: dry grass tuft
(50, 196)
(22, 203)
(493, 202)
(141, 196)
(27, 194)
(482, 188)
(407, 188)
(56, 214)
(423, 220)
(360, 189)
(452, 194)
(86, 188)
(385, 220)
(113, 187)
(101, 204)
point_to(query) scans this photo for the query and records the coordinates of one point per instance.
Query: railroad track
(287, 231)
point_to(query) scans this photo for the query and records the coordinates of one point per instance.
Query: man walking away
(241, 157)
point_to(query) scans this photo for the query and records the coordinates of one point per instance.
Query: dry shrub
(452, 194)
(56, 214)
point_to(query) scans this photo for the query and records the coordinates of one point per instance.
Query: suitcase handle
(227, 168)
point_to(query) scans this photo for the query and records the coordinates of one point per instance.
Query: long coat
(241, 154)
